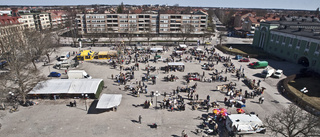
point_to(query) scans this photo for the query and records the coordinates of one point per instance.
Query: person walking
(140, 119)
(74, 103)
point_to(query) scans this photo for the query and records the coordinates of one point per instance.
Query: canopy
(109, 101)
(175, 64)
(67, 86)
(183, 45)
(156, 49)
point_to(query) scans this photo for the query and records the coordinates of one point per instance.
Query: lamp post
(80, 44)
(85, 100)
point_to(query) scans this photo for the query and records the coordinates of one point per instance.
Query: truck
(267, 73)
(260, 64)
(78, 74)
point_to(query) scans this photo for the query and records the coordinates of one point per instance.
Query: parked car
(252, 64)
(245, 60)
(194, 78)
(54, 74)
(278, 73)
(238, 57)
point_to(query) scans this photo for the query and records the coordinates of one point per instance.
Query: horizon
(309, 5)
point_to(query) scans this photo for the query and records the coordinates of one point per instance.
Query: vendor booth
(244, 124)
(67, 88)
(174, 66)
(108, 101)
(85, 55)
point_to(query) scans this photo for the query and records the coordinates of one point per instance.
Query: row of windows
(276, 38)
(147, 16)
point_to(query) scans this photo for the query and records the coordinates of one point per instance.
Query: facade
(293, 41)
(142, 23)
(9, 26)
(58, 18)
(36, 20)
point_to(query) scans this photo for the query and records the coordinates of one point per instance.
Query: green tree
(120, 8)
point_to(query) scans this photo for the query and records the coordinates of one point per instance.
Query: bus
(106, 54)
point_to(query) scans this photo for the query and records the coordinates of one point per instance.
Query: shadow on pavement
(93, 110)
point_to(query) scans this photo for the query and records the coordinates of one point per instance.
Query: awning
(109, 101)
(183, 45)
(67, 86)
(175, 64)
(156, 49)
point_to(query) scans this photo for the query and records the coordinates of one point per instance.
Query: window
(133, 16)
(203, 17)
(284, 40)
(278, 38)
(272, 36)
(317, 49)
(307, 46)
(164, 17)
(154, 16)
(298, 44)
(291, 41)
(185, 17)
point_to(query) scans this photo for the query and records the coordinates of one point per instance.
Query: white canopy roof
(156, 49)
(245, 122)
(183, 45)
(67, 86)
(175, 64)
(109, 101)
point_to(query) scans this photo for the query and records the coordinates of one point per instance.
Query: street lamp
(157, 94)
(85, 100)
(80, 44)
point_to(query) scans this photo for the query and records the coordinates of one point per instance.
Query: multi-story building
(35, 20)
(294, 41)
(9, 26)
(58, 18)
(142, 23)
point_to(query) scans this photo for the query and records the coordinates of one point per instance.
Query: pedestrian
(208, 106)
(140, 119)
(238, 78)
(111, 76)
(262, 99)
(75, 103)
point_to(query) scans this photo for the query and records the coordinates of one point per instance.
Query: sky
(274, 4)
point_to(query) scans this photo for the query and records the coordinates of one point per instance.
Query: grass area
(312, 84)
(244, 50)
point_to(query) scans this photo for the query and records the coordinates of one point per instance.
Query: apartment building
(142, 23)
(294, 41)
(9, 26)
(35, 20)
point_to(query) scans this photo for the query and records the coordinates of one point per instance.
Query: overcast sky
(277, 4)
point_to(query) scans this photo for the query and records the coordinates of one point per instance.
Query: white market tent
(156, 49)
(67, 86)
(244, 123)
(183, 46)
(109, 101)
(175, 64)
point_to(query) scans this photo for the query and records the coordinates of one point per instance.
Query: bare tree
(186, 31)
(132, 27)
(21, 76)
(294, 122)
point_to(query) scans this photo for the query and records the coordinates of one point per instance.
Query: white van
(267, 73)
(65, 56)
(78, 74)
